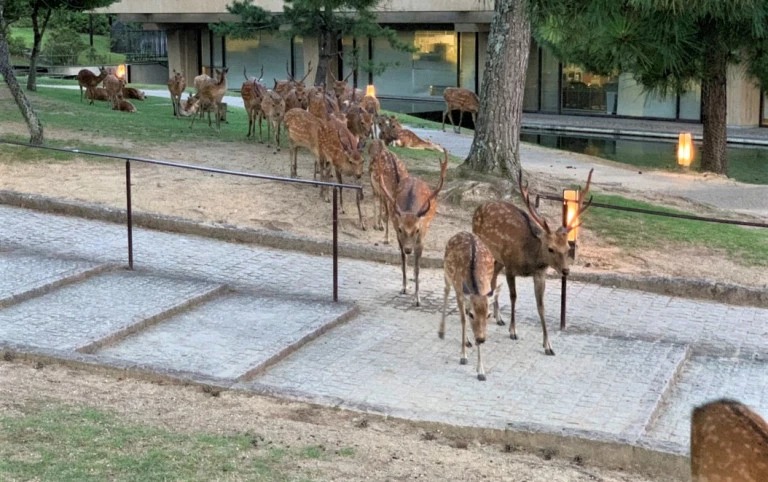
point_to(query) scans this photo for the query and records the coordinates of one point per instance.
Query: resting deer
(468, 266)
(303, 130)
(88, 80)
(133, 93)
(408, 139)
(524, 245)
(414, 205)
(176, 86)
(385, 167)
(729, 442)
(123, 105)
(463, 100)
(96, 93)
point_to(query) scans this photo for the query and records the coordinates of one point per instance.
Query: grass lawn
(101, 46)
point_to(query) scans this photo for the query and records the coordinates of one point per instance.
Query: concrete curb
(672, 286)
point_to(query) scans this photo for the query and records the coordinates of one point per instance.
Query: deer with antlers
(413, 207)
(468, 266)
(88, 80)
(523, 244)
(253, 91)
(282, 87)
(463, 100)
(176, 86)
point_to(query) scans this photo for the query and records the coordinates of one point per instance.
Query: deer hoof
(549, 352)
(441, 335)
(513, 336)
(500, 322)
(481, 377)
(469, 344)
(462, 361)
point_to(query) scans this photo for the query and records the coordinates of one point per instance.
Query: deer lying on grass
(413, 205)
(463, 100)
(408, 139)
(88, 80)
(468, 265)
(273, 107)
(340, 150)
(303, 130)
(176, 86)
(384, 167)
(252, 92)
(96, 93)
(123, 106)
(524, 245)
(132, 93)
(729, 442)
(387, 127)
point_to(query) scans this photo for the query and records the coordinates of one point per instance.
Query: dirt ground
(384, 449)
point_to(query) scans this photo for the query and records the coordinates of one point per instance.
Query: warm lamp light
(370, 90)
(684, 149)
(571, 209)
(120, 71)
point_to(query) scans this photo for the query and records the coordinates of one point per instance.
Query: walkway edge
(732, 294)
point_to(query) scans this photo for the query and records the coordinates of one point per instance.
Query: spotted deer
(523, 244)
(468, 269)
(302, 130)
(88, 80)
(414, 206)
(253, 91)
(729, 442)
(210, 94)
(273, 107)
(463, 100)
(384, 166)
(114, 87)
(176, 86)
(408, 139)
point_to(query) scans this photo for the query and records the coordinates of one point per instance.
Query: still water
(745, 163)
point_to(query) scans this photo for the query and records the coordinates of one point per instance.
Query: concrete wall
(743, 98)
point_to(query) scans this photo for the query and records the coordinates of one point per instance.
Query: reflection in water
(746, 163)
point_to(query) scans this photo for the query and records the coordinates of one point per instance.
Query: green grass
(64, 444)
(101, 46)
(635, 231)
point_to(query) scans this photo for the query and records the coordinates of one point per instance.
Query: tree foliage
(328, 21)
(668, 46)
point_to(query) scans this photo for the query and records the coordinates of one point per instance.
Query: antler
(443, 168)
(582, 207)
(261, 75)
(383, 186)
(288, 71)
(349, 75)
(527, 200)
(309, 70)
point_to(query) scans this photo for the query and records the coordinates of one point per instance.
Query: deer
(282, 87)
(252, 92)
(414, 206)
(384, 166)
(463, 100)
(273, 107)
(523, 244)
(210, 96)
(728, 442)
(133, 93)
(303, 130)
(176, 86)
(408, 139)
(123, 105)
(468, 269)
(114, 87)
(387, 127)
(359, 121)
(88, 80)
(96, 93)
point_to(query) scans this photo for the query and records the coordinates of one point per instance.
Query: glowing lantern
(684, 149)
(570, 211)
(370, 90)
(120, 72)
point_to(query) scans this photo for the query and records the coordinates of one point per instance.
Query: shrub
(63, 47)
(17, 47)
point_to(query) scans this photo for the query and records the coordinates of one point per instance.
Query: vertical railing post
(335, 245)
(563, 282)
(128, 211)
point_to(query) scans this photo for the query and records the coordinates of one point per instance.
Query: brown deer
(88, 80)
(210, 95)
(414, 206)
(133, 93)
(463, 100)
(273, 107)
(303, 130)
(282, 87)
(359, 121)
(252, 92)
(468, 266)
(96, 93)
(387, 127)
(176, 86)
(123, 105)
(114, 87)
(524, 245)
(385, 167)
(408, 139)
(729, 442)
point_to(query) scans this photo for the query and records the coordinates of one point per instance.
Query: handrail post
(128, 211)
(335, 245)
(563, 283)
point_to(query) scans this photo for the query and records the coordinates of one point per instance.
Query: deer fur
(463, 100)
(87, 79)
(408, 139)
(340, 150)
(273, 107)
(384, 167)
(523, 245)
(114, 88)
(176, 86)
(387, 127)
(414, 206)
(729, 442)
(133, 93)
(303, 130)
(468, 269)
(96, 93)
(282, 87)
(252, 92)
(359, 122)
(123, 105)
(210, 95)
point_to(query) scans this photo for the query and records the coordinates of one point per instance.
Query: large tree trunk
(38, 28)
(497, 133)
(328, 50)
(33, 122)
(714, 108)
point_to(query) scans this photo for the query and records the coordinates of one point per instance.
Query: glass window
(531, 96)
(355, 48)
(550, 82)
(690, 104)
(635, 101)
(585, 91)
(468, 58)
(271, 52)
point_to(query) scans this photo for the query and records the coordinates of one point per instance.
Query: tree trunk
(33, 122)
(714, 108)
(497, 133)
(38, 29)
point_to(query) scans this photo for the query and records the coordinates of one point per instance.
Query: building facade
(449, 38)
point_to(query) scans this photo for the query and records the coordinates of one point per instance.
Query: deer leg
(446, 292)
(341, 190)
(497, 267)
(293, 156)
(463, 316)
(358, 200)
(512, 299)
(539, 281)
(445, 112)
(402, 265)
(416, 262)
(461, 119)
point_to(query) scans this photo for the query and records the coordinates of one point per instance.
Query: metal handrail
(129, 218)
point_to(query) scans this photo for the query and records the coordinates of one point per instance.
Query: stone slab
(228, 336)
